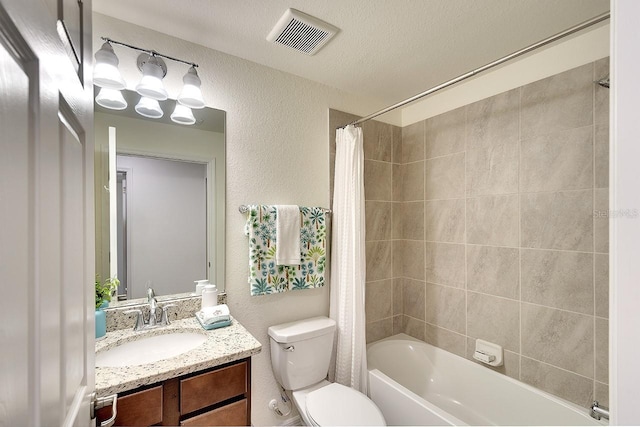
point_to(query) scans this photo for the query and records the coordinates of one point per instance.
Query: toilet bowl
(332, 404)
(300, 356)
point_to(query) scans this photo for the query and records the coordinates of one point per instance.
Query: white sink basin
(150, 349)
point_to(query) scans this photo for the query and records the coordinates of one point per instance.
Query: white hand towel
(288, 235)
(218, 313)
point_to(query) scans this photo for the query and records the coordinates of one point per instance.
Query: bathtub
(414, 383)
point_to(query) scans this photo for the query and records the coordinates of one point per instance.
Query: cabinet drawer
(234, 414)
(208, 389)
(143, 408)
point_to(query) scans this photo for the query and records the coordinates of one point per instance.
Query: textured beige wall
(505, 235)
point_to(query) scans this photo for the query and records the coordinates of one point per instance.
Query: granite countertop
(223, 345)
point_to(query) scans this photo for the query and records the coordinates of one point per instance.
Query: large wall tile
(413, 183)
(444, 134)
(444, 220)
(494, 319)
(397, 182)
(377, 180)
(413, 220)
(398, 291)
(562, 220)
(601, 221)
(398, 324)
(493, 220)
(601, 154)
(377, 138)
(444, 177)
(557, 337)
(378, 260)
(492, 170)
(602, 350)
(602, 284)
(493, 120)
(563, 101)
(445, 307)
(572, 387)
(557, 161)
(558, 279)
(413, 259)
(397, 254)
(445, 339)
(413, 327)
(396, 144)
(379, 329)
(493, 270)
(413, 142)
(378, 300)
(601, 108)
(397, 220)
(444, 264)
(413, 292)
(602, 394)
(377, 220)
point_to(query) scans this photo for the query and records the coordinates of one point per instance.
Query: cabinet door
(234, 414)
(143, 408)
(213, 387)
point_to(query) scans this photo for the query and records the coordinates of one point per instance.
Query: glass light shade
(112, 99)
(150, 85)
(182, 115)
(105, 71)
(191, 95)
(149, 107)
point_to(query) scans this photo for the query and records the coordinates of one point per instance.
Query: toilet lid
(338, 405)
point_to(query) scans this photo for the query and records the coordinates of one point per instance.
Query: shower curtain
(348, 260)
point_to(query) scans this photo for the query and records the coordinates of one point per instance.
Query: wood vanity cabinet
(213, 397)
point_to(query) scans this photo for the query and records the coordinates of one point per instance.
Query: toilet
(300, 357)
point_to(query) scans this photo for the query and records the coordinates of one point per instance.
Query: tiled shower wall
(490, 222)
(504, 233)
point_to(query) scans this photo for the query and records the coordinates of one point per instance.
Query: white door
(46, 213)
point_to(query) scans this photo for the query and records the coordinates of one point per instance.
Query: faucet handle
(139, 319)
(165, 316)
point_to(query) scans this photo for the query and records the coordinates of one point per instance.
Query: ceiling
(387, 49)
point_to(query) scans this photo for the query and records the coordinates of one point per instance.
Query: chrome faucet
(152, 322)
(598, 411)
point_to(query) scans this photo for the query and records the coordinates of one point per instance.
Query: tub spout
(598, 411)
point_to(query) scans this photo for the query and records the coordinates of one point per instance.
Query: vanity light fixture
(111, 98)
(149, 107)
(105, 72)
(153, 71)
(191, 95)
(151, 89)
(182, 115)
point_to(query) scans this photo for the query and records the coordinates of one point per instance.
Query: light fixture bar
(150, 52)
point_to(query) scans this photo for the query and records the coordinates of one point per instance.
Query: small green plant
(104, 290)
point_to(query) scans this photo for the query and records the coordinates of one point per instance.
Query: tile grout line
(593, 226)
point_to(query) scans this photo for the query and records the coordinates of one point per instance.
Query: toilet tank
(301, 351)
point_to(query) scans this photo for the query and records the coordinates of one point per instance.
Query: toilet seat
(338, 405)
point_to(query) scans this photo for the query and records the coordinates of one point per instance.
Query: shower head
(604, 82)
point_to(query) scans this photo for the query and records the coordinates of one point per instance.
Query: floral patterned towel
(266, 277)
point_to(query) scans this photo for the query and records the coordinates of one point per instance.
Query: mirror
(160, 219)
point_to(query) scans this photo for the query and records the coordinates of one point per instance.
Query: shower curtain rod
(558, 36)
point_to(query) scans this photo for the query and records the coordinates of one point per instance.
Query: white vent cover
(302, 32)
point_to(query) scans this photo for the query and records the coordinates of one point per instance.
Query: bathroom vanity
(207, 385)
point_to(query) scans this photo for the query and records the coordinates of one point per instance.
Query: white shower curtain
(348, 260)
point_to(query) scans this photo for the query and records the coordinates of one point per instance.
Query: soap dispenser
(209, 296)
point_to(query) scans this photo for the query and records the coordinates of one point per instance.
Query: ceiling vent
(302, 32)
